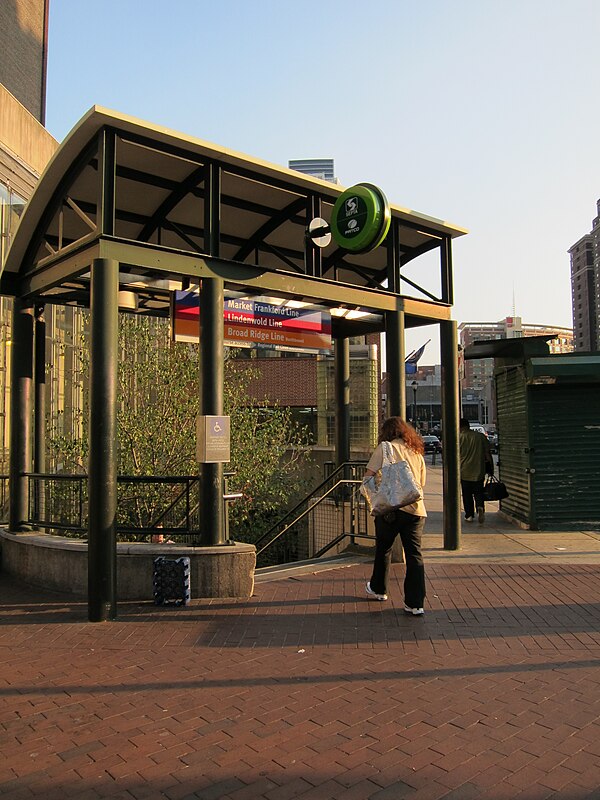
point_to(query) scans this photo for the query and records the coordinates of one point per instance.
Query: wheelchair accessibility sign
(212, 439)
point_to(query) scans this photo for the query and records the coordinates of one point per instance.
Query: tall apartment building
(585, 287)
(23, 53)
(25, 149)
(25, 146)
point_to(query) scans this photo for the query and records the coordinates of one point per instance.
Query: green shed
(548, 418)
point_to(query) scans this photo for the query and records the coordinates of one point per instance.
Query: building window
(11, 208)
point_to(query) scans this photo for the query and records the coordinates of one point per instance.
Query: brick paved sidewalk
(309, 690)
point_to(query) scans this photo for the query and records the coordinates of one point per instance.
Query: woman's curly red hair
(398, 428)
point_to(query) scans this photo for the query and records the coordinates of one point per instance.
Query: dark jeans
(410, 528)
(470, 490)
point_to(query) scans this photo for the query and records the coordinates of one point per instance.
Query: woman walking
(408, 521)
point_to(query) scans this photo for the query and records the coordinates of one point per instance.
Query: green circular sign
(361, 218)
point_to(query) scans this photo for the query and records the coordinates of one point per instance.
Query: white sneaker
(373, 595)
(416, 612)
(468, 519)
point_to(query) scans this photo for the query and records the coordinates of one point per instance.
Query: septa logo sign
(351, 206)
(360, 218)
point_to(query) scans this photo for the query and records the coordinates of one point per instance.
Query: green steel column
(20, 414)
(450, 418)
(212, 371)
(393, 257)
(342, 400)
(395, 353)
(39, 439)
(446, 268)
(102, 469)
(211, 402)
(107, 173)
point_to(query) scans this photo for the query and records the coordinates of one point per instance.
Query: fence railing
(153, 508)
(334, 514)
(147, 506)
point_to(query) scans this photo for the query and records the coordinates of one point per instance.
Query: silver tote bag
(393, 487)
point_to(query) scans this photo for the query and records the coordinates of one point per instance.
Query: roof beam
(269, 226)
(81, 214)
(194, 178)
(277, 282)
(66, 267)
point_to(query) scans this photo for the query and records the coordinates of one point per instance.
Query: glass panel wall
(11, 208)
(65, 340)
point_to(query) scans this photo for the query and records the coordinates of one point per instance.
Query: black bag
(494, 489)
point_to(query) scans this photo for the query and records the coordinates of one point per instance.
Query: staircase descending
(331, 519)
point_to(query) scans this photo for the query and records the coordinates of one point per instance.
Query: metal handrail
(120, 478)
(318, 500)
(190, 482)
(172, 505)
(298, 506)
(77, 524)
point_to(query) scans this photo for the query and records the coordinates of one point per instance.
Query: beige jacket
(416, 463)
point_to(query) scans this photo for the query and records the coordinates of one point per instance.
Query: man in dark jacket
(475, 462)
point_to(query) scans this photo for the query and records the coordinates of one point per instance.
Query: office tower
(317, 167)
(585, 287)
(25, 149)
(23, 53)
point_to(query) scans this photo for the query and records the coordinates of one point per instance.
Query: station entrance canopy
(173, 210)
(131, 211)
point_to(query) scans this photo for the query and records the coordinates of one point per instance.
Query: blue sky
(480, 112)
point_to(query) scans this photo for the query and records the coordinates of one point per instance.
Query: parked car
(432, 444)
(491, 435)
(479, 428)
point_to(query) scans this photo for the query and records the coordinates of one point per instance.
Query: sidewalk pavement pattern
(309, 690)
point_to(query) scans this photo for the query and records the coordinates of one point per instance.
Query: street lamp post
(431, 404)
(414, 385)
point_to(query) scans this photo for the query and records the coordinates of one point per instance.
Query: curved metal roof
(157, 222)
